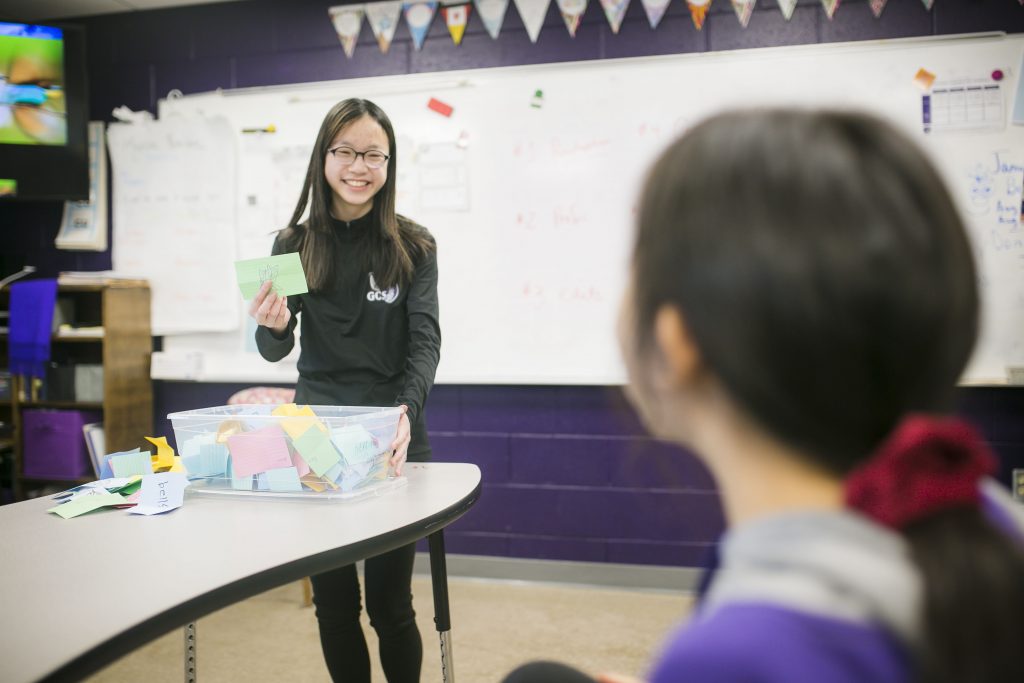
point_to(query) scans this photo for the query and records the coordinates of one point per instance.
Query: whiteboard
(532, 206)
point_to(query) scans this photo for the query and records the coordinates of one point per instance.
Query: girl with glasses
(803, 302)
(370, 337)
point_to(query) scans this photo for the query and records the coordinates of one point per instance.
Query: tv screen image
(43, 113)
(33, 110)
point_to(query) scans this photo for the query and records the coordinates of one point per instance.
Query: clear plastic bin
(287, 451)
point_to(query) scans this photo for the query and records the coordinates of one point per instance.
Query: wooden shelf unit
(122, 308)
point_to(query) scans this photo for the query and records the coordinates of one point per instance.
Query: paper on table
(87, 503)
(316, 449)
(284, 270)
(132, 462)
(161, 492)
(258, 451)
(164, 458)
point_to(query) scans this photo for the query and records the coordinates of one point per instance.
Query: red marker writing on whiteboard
(440, 107)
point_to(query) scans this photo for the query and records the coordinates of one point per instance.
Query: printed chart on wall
(528, 178)
(174, 218)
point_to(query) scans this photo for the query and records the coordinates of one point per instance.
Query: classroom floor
(495, 626)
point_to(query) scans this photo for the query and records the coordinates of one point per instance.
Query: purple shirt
(762, 643)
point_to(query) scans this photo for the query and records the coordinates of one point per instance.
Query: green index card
(88, 503)
(316, 449)
(284, 270)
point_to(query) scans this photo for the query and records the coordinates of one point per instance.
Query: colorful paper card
(285, 479)
(106, 472)
(87, 503)
(284, 270)
(355, 443)
(243, 483)
(163, 460)
(160, 493)
(210, 460)
(304, 417)
(316, 449)
(258, 451)
(130, 463)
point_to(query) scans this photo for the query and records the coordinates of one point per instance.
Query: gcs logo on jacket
(388, 296)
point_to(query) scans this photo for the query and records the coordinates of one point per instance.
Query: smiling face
(354, 186)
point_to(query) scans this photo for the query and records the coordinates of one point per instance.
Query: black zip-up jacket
(362, 346)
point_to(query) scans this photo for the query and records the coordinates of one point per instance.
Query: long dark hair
(390, 251)
(825, 275)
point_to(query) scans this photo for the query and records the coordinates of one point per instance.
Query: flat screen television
(43, 113)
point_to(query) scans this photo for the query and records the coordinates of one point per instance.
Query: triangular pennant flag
(456, 15)
(572, 13)
(383, 19)
(347, 20)
(533, 13)
(698, 11)
(492, 13)
(614, 10)
(878, 5)
(928, 4)
(743, 9)
(419, 14)
(787, 7)
(830, 7)
(656, 10)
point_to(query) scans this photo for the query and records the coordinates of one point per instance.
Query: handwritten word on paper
(284, 270)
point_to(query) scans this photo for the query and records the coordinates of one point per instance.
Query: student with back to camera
(803, 302)
(370, 337)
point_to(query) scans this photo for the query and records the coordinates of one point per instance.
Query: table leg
(442, 619)
(190, 652)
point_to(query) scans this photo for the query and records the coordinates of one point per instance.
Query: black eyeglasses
(347, 156)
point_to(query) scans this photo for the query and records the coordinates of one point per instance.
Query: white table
(77, 594)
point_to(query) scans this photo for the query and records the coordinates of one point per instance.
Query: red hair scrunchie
(927, 464)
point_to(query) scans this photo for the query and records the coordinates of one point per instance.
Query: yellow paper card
(164, 458)
(298, 426)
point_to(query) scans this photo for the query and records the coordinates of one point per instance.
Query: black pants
(546, 672)
(389, 605)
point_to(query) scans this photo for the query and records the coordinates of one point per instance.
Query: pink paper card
(258, 451)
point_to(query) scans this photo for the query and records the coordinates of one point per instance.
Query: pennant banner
(830, 7)
(614, 10)
(533, 13)
(383, 19)
(743, 8)
(698, 11)
(456, 15)
(877, 6)
(347, 20)
(787, 7)
(656, 10)
(419, 14)
(572, 13)
(492, 13)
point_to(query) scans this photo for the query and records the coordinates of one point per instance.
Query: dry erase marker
(269, 129)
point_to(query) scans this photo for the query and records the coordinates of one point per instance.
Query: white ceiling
(38, 10)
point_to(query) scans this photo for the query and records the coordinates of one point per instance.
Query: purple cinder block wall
(568, 472)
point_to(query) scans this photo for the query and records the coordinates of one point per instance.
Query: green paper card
(87, 503)
(284, 270)
(316, 449)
